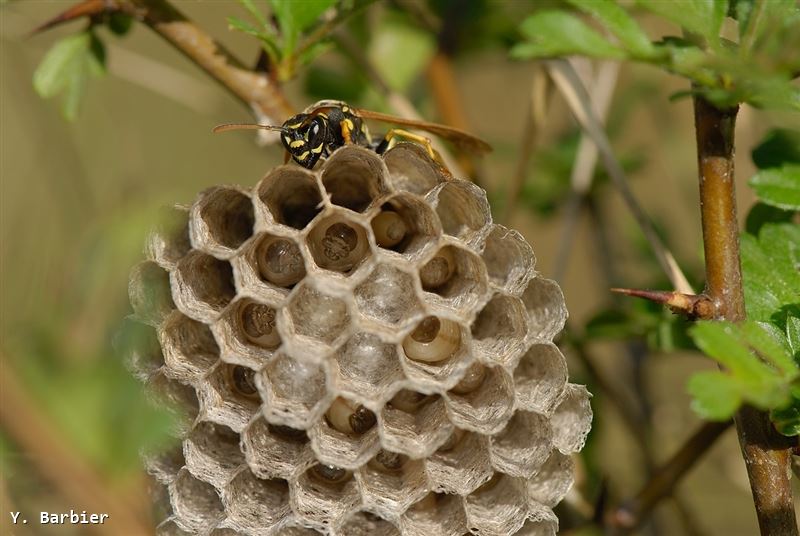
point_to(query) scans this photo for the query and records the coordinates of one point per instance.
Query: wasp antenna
(246, 126)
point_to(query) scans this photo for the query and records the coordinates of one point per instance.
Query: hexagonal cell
(454, 278)
(270, 264)
(254, 505)
(483, 400)
(292, 530)
(417, 429)
(540, 378)
(346, 436)
(169, 528)
(139, 347)
(274, 451)
(212, 453)
(365, 523)
(354, 178)
(189, 347)
(523, 446)
(463, 209)
(149, 293)
(461, 465)
(541, 521)
(553, 480)
(289, 196)
(229, 396)
(295, 392)
(405, 224)
(547, 312)
(247, 333)
(499, 331)
(497, 508)
(179, 398)
(391, 482)
(572, 419)
(169, 241)
(317, 318)
(436, 513)
(509, 259)
(388, 296)
(367, 367)
(221, 220)
(196, 504)
(436, 353)
(323, 495)
(164, 466)
(411, 169)
(338, 243)
(202, 286)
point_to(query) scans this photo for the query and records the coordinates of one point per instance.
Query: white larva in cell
(389, 228)
(433, 341)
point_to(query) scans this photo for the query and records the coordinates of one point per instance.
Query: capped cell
(317, 317)
(221, 219)
(368, 368)
(388, 297)
(295, 392)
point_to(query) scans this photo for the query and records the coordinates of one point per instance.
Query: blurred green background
(76, 201)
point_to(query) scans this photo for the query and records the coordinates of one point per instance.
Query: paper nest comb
(360, 351)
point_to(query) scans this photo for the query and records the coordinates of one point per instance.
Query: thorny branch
(767, 454)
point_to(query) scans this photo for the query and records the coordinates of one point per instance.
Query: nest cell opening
(553, 480)
(485, 407)
(195, 502)
(353, 179)
(540, 378)
(547, 313)
(508, 257)
(274, 450)
(189, 347)
(499, 330)
(212, 452)
(418, 432)
(235, 398)
(139, 345)
(411, 169)
(291, 196)
(228, 216)
(170, 241)
(177, 395)
(388, 296)
(363, 523)
(277, 260)
(256, 504)
(454, 274)
(255, 325)
(460, 467)
(497, 507)
(523, 445)
(435, 512)
(164, 465)
(462, 209)
(572, 419)
(405, 224)
(206, 283)
(391, 482)
(339, 244)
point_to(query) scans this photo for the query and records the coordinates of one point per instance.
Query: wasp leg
(389, 140)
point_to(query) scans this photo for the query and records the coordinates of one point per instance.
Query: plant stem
(766, 453)
(259, 92)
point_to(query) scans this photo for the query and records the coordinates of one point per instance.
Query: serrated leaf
(702, 17)
(617, 21)
(779, 187)
(66, 68)
(556, 33)
(715, 396)
(780, 146)
(771, 344)
(721, 340)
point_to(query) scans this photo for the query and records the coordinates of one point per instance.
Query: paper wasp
(329, 124)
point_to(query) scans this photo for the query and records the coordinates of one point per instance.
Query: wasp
(329, 124)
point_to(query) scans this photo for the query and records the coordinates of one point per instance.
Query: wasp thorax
(280, 262)
(242, 380)
(438, 270)
(386, 461)
(258, 325)
(338, 244)
(329, 474)
(471, 381)
(409, 401)
(389, 228)
(350, 417)
(433, 340)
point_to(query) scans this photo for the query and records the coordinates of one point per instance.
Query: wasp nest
(360, 352)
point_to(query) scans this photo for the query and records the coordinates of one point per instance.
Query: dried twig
(579, 102)
(767, 454)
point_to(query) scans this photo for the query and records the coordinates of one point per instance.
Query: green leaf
(255, 12)
(793, 335)
(66, 67)
(771, 345)
(305, 12)
(556, 33)
(779, 187)
(780, 146)
(119, 23)
(787, 420)
(715, 396)
(769, 270)
(721, 340)
(702, 17)
(761, 214)
(617, 21)
(400, 52)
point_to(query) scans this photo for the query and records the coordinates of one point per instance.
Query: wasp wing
(463, 139)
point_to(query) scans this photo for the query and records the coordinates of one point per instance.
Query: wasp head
(305, 138)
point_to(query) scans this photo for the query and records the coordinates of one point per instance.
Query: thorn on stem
(87, 8)
(693, 306)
